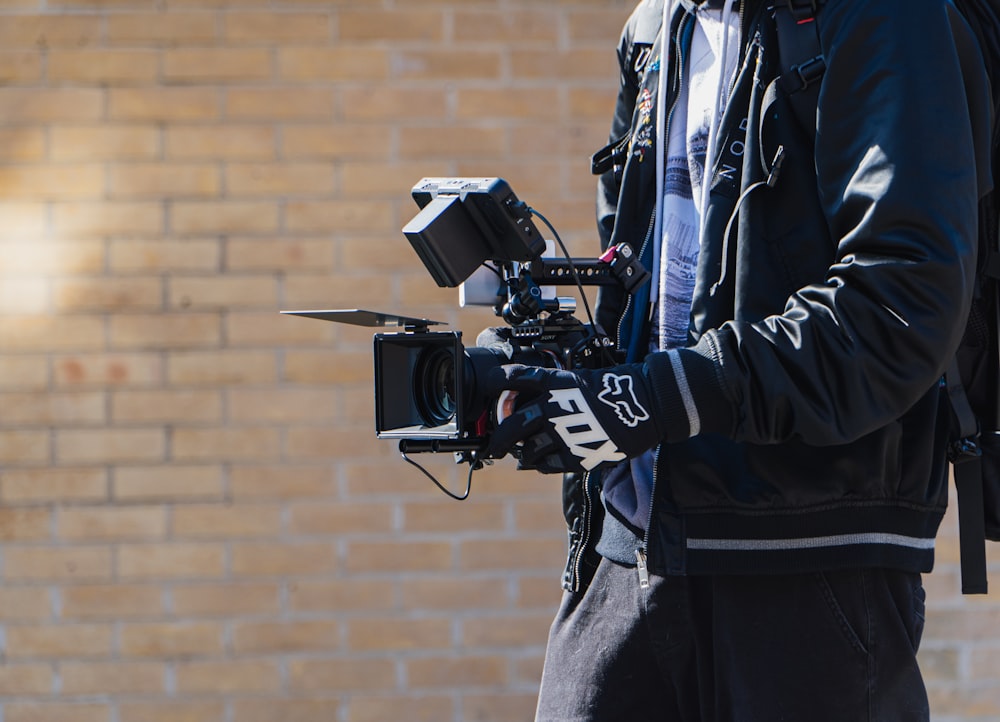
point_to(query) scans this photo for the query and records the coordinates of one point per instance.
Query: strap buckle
(965, 449)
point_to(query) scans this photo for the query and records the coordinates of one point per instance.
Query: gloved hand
(573, 420)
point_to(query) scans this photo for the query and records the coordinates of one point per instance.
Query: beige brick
(447, 593)
(24, 296)
(281, 482)
(196, 218)
(57, 712)
(391, 633)
(520, 630)
(171, 640)
(326, 443)
(248, 676)
(441, 517)
(509, 707)
(164, 104)
(50, 31)
(22, 680)
(168, 405)
(59, 641)
(22, 221)
(232, 141)
(221, 368)
(412, 709)
(24, 447)
(281, 406)
(365, 25)
(218, 65)
(273, 28)
(20, 68)
(51, 258)
(464, 671)
(390, 179)
(112, 678)
(501, 103)
(284, 560)
(537, 515)
(341, 675)
(447, 64)
(361, 289)
(25, 524)
(271, 329)
(21, 145)
(23, 373)
(542, 553)
(159, 180)
(287, 710)
(336, 141)
(411, 556)
(104, 142)
(454, 142)
(113, 218)
(223, 292)
(312, 216)
(57, 564)
(111, 523)
(538, 24)
(542, 591)
(103, 66)
(24, 604)
(223, 444)
(577, 63)
(342, 595)
(280, 254)
(253, 638)
(32, 105)
(592, 24)
(170, 561)
(363, 479)
(108, 370)
(106, 294)
(323, 367)
(314, 518)
(229, 521)
(164, 28)
(165, 331)
(110, 602)
(285, 179)
(92, 446)
(32, 486)
(31, 182)
(359, 105)
(280, 103)
(174, 483)
(52, 409)
(163, 711)
(357, 63)
(226, 600)
(173, 255)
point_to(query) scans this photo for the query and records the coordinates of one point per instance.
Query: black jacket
(805, 424)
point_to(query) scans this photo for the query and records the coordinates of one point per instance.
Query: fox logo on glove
(619, 394)
(581, 431)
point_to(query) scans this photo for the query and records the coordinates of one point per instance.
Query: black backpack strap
(802, 63)
(967, 458)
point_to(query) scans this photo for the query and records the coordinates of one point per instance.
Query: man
(754, 494)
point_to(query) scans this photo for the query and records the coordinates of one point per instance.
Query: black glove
(573, 420)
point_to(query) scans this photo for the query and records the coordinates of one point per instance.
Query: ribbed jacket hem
(843, 536)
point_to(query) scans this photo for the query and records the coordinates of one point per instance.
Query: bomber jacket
(804, 424)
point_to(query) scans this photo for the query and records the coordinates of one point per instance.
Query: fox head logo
(619, 394)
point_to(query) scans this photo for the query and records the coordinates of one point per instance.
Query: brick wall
(196, 522)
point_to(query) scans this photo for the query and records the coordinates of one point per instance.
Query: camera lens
(434, 385)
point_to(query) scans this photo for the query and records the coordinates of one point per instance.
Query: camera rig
(429, 391)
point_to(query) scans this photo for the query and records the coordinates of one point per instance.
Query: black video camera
(429, 391)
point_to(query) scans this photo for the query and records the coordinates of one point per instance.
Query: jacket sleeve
(901, 124)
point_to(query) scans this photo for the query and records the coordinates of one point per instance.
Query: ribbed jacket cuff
(689, 398)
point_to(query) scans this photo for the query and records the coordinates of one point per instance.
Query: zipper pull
(640, 561)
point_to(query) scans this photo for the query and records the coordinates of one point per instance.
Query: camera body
(430, 391)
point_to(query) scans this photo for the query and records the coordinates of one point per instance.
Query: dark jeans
(834, 646)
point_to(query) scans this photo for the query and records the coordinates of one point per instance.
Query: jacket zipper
(585, 532)
(642, 553)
